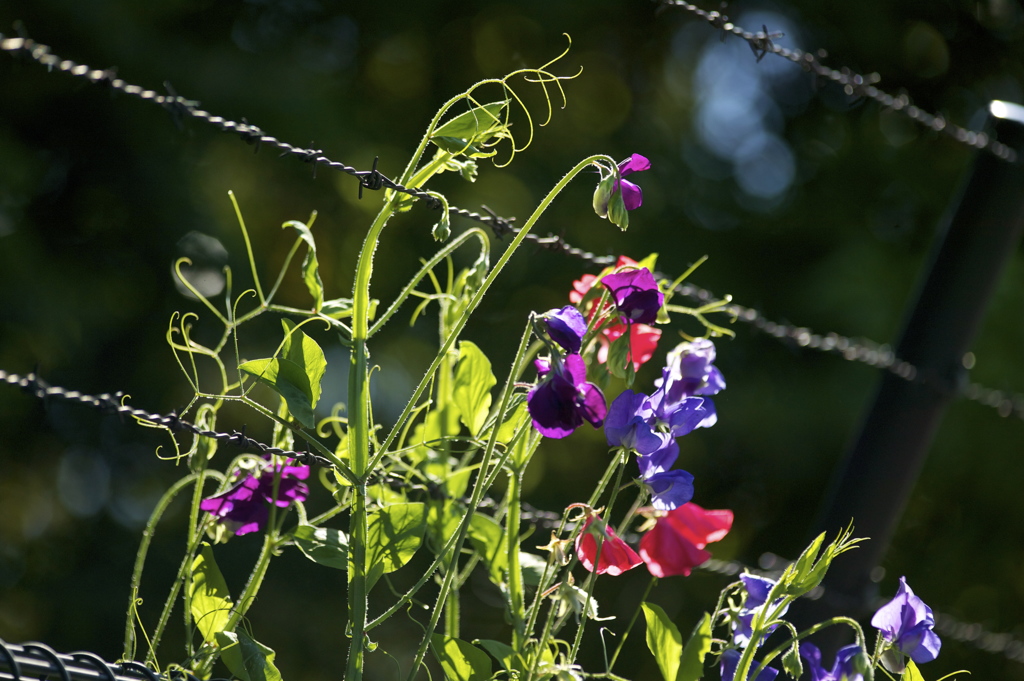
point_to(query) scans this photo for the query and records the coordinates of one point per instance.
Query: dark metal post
(874, 482)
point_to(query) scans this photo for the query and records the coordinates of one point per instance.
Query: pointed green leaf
(209, 600)
(513, 423)
(488, 538)
(619, 362)
(461, 661)
(533, 567)
(289, 381)
(247, 658)
(338, 308)
(473, 123)
(324, 545)
(394, 534)
(663, 640)
(503, 653)
(911, 673)
(472, 386)
(304, 351)
(691, 664)
(310, 266)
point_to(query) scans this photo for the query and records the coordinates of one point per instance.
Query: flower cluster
(641, 338)
(245, 507)
(650, 424)
(563, 399)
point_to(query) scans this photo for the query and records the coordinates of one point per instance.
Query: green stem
(810, 631)
(358, 590)
(515, 576)
(636, 614)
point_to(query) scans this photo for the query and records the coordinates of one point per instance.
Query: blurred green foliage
(99, 194)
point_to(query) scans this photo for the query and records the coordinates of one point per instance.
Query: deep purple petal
(632, 195)
(576, 370)
(553, 412)
(566, 327)
(636, 294)
(592, 406)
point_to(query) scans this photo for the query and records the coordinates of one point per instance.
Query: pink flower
(616, 556)
(676, 543)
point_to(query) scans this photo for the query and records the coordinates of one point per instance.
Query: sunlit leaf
(209, 599)
(488, 538)
(460, 660)
(473, 123)
(310, 266)
(472, 386)
(663, 640)
(503, 653)
(394, 534)
(691, 663)
(247, 658)
(324, 545)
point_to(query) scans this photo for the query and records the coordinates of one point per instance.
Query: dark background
(814, 207)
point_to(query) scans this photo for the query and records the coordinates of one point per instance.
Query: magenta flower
(906, 622)
(563, 400)
(636, 295)
(845, 668)
(632, 196)
(566, 327)
(245, 507)
(616, 556)
(675, 545)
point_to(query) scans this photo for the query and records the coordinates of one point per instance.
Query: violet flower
(845, 668)
(906, 622)
(245, 507)
(632, 195)
(565, 327)
(758, 589)
(689, 371)
(616, 195)
(731, 659)
(563, 400)
(636, 295)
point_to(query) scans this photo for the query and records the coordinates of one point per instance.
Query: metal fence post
(872, 485)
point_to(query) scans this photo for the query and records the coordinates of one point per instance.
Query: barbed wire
(853, 84)
(112, 403)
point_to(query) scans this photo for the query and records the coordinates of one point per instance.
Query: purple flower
(906, 622)
(669, 489)
(632, 195)
(636, 295)
(566, 327)
(564, 399)
(731, 659)
(845, 668)
(684, 416)
(245, 507)
(628, 424)
(758, 589)
(689, 371)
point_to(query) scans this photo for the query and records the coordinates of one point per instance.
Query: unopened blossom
(565, 327)
(636, 295)
(616, 556)
(847, 666)
(907, 623)
(563, 399)
(675, 545)
(618, 188)
(245, 507)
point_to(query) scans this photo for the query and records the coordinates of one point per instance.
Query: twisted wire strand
(111, 403)
(853, 83)
(35, 660)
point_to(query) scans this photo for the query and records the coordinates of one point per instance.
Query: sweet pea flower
(689, 371)
(845, 668)
(616, 556)
(758, 589)
(675, 545)
(906, 622)
(563, 400)
(631, 195)
(636, 294)
(643, 339)
(565, 327)
(731, 659)
(245, 507)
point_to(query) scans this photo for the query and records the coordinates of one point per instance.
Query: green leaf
(310, 266)
(208, 595)
(472, 386)
(394, 534)
(691, 664)
(664, 640)
(488, 538)
(503, 653)
(324, 545)
(338, 308)
(474, 123)
(533, 567)
(461, 661)
(911, 673)
(508, 429)
(295, 375)
(619, 362)
(247, 658)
